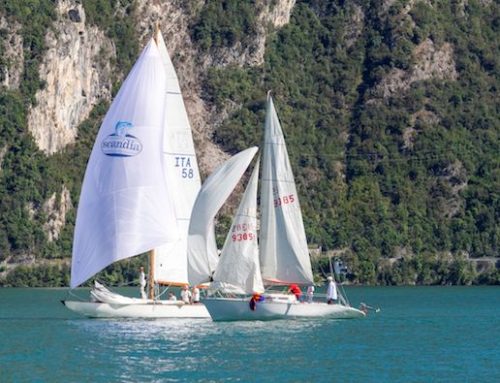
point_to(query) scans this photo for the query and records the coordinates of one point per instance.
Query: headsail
(123, 210)
(202, 253)
(284, 255)
(182, 174)
(238, 270)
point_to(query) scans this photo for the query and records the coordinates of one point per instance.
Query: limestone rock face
(56, 211)
(355, 28)
(13, 56)
(3, 150)
(431, 62)
(191, 65)
(76, 71)
(276, 14)
(76, 68)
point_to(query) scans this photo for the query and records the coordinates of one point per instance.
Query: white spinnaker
(238, 270)
(181, 172)
(122, 210)
(284, 255)
(202, 252)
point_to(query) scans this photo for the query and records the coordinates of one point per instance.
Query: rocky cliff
(388, 108)
(76, 71)
(77, 64)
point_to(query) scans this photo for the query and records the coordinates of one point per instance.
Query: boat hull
(236, 309)
(163, 309)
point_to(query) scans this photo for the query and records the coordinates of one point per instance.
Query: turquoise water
(421, 334)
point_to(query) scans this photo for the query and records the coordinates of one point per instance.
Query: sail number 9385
(243, 237)
(284, 200)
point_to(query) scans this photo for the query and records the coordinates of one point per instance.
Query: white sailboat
(139, 188)
(237, 290)
(203, 257)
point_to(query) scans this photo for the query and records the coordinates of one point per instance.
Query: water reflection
(419, 333)
(171, 348)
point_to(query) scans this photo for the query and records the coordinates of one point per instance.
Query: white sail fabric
(202, 253)
(284, 255)
(238, 270)
(123, 210)
(181, 172)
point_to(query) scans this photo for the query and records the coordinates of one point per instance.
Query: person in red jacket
(295, 290)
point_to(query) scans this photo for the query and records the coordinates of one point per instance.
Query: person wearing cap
(331, 291)
(142, 282)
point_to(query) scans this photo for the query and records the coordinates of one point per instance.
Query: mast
(151, 253)
(151, 276)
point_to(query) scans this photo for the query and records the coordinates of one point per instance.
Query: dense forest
(390, 110)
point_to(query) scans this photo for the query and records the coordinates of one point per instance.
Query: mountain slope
(389, 108)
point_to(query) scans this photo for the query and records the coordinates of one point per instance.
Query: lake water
(421, 334)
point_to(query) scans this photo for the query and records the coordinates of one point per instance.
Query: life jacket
(253, 301)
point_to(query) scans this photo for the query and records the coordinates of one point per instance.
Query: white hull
(162, 309)
(235, 309)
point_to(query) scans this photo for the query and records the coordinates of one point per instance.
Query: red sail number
(285, 200)
(243, 237)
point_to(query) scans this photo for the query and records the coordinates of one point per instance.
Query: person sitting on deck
(171, 296)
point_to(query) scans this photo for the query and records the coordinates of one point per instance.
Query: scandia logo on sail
(121, 144)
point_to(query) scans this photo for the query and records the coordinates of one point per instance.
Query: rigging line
(370, 155)
(369, 158)
(363, 154)
(344, 293)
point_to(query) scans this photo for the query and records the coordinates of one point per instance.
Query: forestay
(123, 210)
(238, 270)
(202, 253)
(284, 254)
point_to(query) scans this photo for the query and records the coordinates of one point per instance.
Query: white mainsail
(238, 270)
(123, 210)
(181, 172)
(284, 255)
(202, 252)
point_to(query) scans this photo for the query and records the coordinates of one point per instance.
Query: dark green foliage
(118, 25)
(439, 195)
(19, 181)
(223, 23)
(38, 276)
(27, 176)
(35, 16)
(403, 213)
